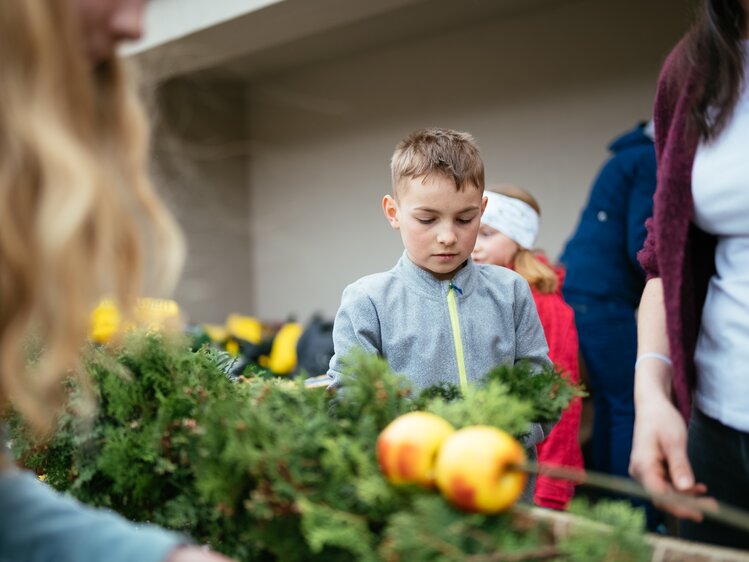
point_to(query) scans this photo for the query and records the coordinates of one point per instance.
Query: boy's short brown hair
(453, 154)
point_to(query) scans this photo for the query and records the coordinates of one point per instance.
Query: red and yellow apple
(408, 446)
(472, 469)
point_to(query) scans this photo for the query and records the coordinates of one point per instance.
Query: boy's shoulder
(502, 284)
(373, 284)
(494, 275)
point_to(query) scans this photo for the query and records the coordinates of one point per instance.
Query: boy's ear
(484, 201)
(390, 208)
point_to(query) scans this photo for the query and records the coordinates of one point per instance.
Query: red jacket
(561, 447)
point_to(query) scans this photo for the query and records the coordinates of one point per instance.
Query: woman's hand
(195, 554)
(659, 446)
(659, 455)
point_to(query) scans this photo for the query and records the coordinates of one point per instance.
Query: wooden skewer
(718, 512)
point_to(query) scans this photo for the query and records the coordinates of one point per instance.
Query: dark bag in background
(315, 347)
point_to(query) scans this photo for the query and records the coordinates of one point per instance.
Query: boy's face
(438, 224)
(494, 248)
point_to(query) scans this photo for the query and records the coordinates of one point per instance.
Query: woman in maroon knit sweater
(693, 326)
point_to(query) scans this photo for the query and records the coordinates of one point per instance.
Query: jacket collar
(636, 137)
(426, 283)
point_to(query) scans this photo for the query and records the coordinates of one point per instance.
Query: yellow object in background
(216, 332)
(282, 359)
(157, 314)
(152, 314)
(232, 347)
(244, 328)
(105, 321)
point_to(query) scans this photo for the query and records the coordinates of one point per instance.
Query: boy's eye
(465, 221)
(425, 221)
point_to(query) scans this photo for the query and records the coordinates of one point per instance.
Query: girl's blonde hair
(539, 275)
(78, 214)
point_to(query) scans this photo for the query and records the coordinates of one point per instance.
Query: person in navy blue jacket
(603, 285)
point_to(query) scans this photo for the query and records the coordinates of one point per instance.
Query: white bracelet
(652, 355)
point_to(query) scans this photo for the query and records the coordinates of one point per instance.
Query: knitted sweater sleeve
(667, 92)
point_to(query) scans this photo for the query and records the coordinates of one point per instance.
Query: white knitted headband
(512, 217)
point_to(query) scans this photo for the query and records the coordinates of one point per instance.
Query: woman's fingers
(679, 470)
(694, 509)
(659, 461)
(659, 478)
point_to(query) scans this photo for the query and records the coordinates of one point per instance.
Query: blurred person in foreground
(77, 213)
(693, 322)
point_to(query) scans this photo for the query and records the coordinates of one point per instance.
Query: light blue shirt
(38, 524)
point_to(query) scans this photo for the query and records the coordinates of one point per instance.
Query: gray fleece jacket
(404, 316)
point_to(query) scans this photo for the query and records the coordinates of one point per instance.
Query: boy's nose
(447, 237)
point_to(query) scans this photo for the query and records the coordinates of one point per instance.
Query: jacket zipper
(452, 307)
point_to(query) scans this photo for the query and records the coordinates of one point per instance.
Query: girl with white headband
(509, 228)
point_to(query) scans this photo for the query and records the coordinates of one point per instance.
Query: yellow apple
(407, 447)
(472, 469)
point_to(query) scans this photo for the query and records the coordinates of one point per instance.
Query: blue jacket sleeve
(640, 202)
(38, 524)
(356, 325)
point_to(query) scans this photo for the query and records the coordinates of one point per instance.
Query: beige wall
(201, 160)
(543, 92)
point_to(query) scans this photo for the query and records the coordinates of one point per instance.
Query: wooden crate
(665, 549)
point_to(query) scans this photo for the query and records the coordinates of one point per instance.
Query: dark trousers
(720, 459)
(608, 342)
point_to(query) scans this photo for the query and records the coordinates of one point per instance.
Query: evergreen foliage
(626, 526)
(548, 391)
(434, 531)
(491, 404)
(265, 469)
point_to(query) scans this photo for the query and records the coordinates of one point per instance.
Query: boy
(437, 316)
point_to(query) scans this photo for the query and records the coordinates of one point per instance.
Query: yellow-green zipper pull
(452, 306)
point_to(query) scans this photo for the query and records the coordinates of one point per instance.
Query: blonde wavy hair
(79, 218)
(539, 275)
